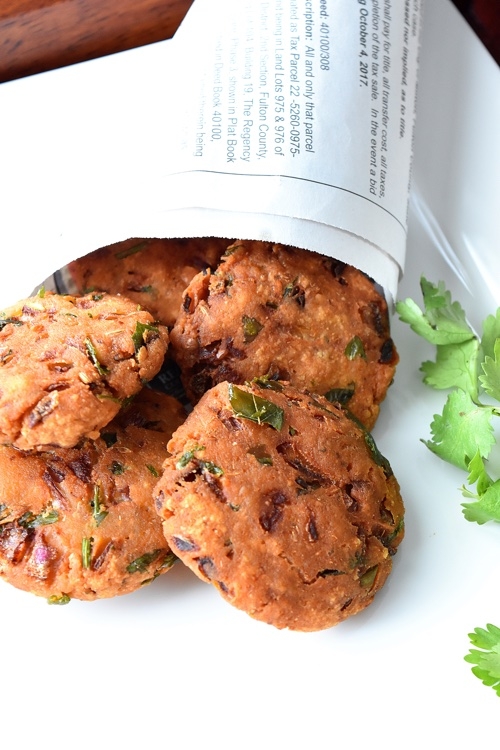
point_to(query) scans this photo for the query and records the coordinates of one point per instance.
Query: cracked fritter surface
(291, 314)
(152, 272)
(67, 364)
(80, 522)
(283, 502)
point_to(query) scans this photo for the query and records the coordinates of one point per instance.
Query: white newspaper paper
(295, 122)
(281, 120)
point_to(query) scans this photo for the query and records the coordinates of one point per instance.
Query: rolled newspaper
(294, 124)
(281, 120)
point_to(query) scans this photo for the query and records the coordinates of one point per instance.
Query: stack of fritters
(271, 488)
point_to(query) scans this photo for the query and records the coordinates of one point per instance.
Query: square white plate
(175, 666)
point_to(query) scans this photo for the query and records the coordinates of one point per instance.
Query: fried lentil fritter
(152, 272)
(282, 502)
(291, 314)
(80, 522)
(67, 364)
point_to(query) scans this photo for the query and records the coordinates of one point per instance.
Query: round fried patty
(80, 522)
(291, 314)
(67, 364)
(152, 272)
(283, 502)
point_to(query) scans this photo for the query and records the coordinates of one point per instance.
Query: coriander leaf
(491, 332)
(478, 476)
(442, 322)
(355, 349)
(188, 456)
(211, 468)
(251, 327)
(463, 429)
(455, 367)
(261, 454)
(138, 336)
(487, 506)
(486, 660)
(490, 380)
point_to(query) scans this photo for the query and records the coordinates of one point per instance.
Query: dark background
(484, 17)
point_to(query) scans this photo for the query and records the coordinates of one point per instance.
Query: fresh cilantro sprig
(486, 656)
(469, 368)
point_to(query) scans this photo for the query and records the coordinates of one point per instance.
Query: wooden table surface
(39, 35)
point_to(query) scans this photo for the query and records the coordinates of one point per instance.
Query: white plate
(174, 665)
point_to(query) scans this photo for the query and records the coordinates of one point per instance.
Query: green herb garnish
(486, 660)
(211, 468)
(249, 406)
(99, 513)
(117, 468)
(152, 470)
(87, 545)
(93, 356)
(62, 599)
(355, 349)
(262, 456)
(188, 456)
(468, 367)
(29, 521)
(289, 288)
(377, 456)
(201, 465)
(443, 321)
(142, 563)
(251, 327)
(340, 395)
(138, 334)
(368, 578)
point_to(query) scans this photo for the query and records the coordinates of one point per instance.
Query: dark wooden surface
(39, 35)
